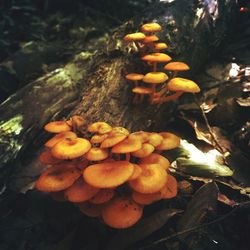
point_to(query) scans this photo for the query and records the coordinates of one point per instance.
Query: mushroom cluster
(157, 85)
(110, 173)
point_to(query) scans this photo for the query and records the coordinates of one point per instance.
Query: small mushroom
(155, 158)
(170, 141)
(159, 46)
(63, 135)
(97, 154)
(99, 127)
(156, 58)
(103, 196)
(136, 173)
(57, 127)
(145, 151)
(122, 212)
(151, 27)
(136, 38)
(140, 92)
(176, 67)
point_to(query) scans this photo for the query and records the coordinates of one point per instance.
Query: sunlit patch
(198, 156)
(14, 125)
(234, 70)
(167, 1)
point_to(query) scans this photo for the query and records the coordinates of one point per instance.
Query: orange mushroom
(71, 148)
(102, 196)
(113, 139)
(176, 66)
(141, 92)
(57, 178)
(151, 180)
(136, 173)
(156, 58)
(155, 139)
(63, 135)
(151, 27)
(122, 212)
(136, 38)
(80, 191)
(98, 138)
(134, 77)
(145, 199)
(159, 46)
(99, 127)
(97, 154)
(144, 151)
(90, 209)
(109, 174)
(47, 158)
(156, 159)
(170, 141)
(77, 122)
(120, 130)
(139, 135)
(57, 127)
(170, 189)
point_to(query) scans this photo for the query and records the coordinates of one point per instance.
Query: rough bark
(192, 31)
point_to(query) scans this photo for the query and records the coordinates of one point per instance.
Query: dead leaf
(141, 230)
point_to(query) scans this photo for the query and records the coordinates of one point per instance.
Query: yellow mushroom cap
(99, 127)
(127, 146)
(134, 77)
(134, 37)
(145, 199)
(57, 127)
(109, 174)
(71, 148)
(113, 139)
(177, 66)
(150, 39)
(122, 212)
(151, 27)
(155, 77)
(47, 158)
(160, 46)
(142, 90)
(170, 141)
(155, 139)
(145, 151)
(140, 135)
(98, 138)
(103, 196)
(157, 57)
(120, 130)
(156, 159)
(63, 135)
(151, 180)
(90, 209)
(182, 84)
(136, 173)
(97, 154)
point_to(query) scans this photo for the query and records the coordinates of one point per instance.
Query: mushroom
(109, 174)
(134, 77)
(99, 127)
(103, 196)
(155, 158)
(149, 41)
(170, 141)
(63, 135)
(159, 46)
(113, 139)
(179, 86)
(80, 191)
(154, 78)
(145, 151)
(155, 139)
(57, 178)
(170, 189)
(71, 148)
(176, 67)
(156, 58)
(57, 127)
(150, 27)
(136, 38)
(97, 154)
(89, 209)
(152, 179)
(145, 199)
(47, 158)
(122, 212)
(136, 173)
(141, 92)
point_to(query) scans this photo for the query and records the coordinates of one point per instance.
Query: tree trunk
(192, 30)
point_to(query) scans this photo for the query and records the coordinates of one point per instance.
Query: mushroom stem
(127, 157)
(174, 73)
(168, 98)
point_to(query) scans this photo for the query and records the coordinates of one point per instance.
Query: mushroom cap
(155, 77)
(113, 139)
(157, 57)
(57, 127)
(57, 178)
(122, 212)
(145, 151)
(142, 90)
(145, 199)
(47, 158)
(134, 77)
(151, 27)
(77, 121)
(127, 146)
(177, 66)
(63, 135)
(138, 36)
(160, 46)
(170, 141)
(170, 189)
(71, 148)
(155, 139)
(136, 173)
(156, 159)
(98, 138)
(139, 135)
(109, 174)
(182, 84)
(97, 154)
(150, 39)
(151, 180)
(80, 191)
(102, 196)
(120, 130)
(99, 127)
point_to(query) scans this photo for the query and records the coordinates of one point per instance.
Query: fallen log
(192, 31)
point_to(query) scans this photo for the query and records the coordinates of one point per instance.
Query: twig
(192, 229)
(208, 126)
